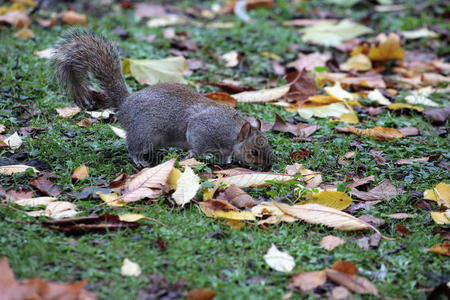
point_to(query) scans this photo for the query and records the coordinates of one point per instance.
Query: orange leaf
(443, 248)
(223, 98)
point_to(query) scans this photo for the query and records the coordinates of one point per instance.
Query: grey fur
(161, 115)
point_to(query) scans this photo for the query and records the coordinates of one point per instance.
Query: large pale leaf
(331, 34)
(152, 71)
(279, 261)
(323, 111)
(266, 95)
(12, 169)
(254, 179)
(319, 214)
(187, 186)
(148, 182)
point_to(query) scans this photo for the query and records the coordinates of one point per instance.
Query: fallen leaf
(238, 197)
(147, 183)
(174, 175)
(340, 293)
(102, 223)
(369, 219)
(24, 33)
(190, 162)
(442, 248)
(440, 194)
(130, 268)
(212, 210)
(345, 267)
(319, 214)
(16, 18)
(378, 132)
(333, 199)
(80, 173)
(201, 294)
(401, 216)
(330, 242)
(37, 288)
(119, 132)
(166, 20)
(223, 98)
(254, 179)
(102, 115)
(131, 217)
(352, 282)
(408, 161)
(440, 218)
(419, 33)
(110, 199)
(232, 59)
(307, 111)
(402, 230)
(310, 61)
(338, 93)
(35, 202)
(73, 18)
(377, 97)
(438, 115)
(266, 95)
(308, 280)
(420, 96)
(389, 48)
(68, 112)
(279, 261)
(147, 71)
(46, 186)
(330, 34)
(386, 190)
(397, 106)
(13, 141)
(359, 62)
(187, 186)
(303, 130)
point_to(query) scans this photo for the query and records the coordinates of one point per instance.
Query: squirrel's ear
(258, 124)
(245, 131)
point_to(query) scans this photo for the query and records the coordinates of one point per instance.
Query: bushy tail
(80, 53)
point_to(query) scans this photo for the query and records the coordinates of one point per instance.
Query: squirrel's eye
(254, 152)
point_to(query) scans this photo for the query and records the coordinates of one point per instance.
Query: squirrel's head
(252, 148)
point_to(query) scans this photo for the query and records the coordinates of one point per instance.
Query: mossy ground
(195, 251)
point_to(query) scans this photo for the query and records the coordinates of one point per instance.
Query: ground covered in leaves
(364, 111)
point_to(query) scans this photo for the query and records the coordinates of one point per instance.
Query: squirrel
(161, 115)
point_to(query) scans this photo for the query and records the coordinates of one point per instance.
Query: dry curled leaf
(308, 280)
(442, 248)
(352, 282)
(223, 210)
(389, 48)
(238, 197)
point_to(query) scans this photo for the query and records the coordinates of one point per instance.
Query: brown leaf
(105, 222)
(386, 190)
(345, 267)
(15, 195)
(46, 186)
(201, 294)
(303, 85)
(16, 18)
(362, 181)
(119, 181)
(302, 130)
(80, 173)
(238, 197)
(223, 98)
(372, 220)
(308, 280)
(374, 240)
(402, 230)
(228, 87)
(37, 288)
(443, 248)
(437, 115)
(330, 242)
(409, 131)
(72, 18)
(24, 33)
(352, 282)
(310, 61)
(299, 155)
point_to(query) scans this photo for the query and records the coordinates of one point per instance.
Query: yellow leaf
(80, 173)
(152, 71)
(338, 93)
(333, 199)
(323, 99)
(24, 33)
(312, 179)
(131, 217)
(397, 106)
(307, 110)
(220, 214)
(389, 48)
(173, 178)
(108, 198)
(378, 133)
(209, 192)
(359, 62)
(443, 248)
(440, 194)
(350, 118)
(440, 218)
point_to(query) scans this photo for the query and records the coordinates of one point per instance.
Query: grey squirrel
(162, 115)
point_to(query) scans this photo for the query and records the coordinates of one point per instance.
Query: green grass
(205, 252)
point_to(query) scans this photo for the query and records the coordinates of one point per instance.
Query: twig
(416, 139)
(402, 247)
